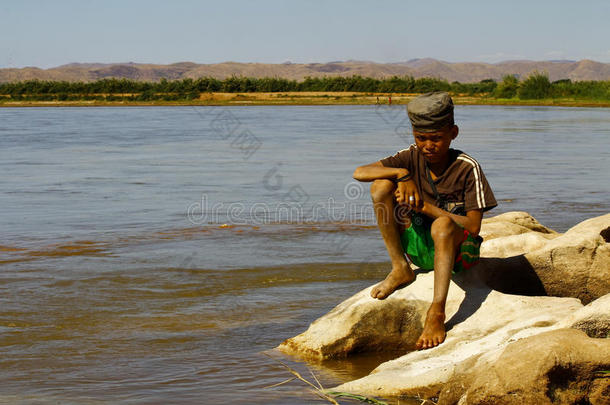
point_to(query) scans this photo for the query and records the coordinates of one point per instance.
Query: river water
(152, 255)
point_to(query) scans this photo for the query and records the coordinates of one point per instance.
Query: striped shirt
(462, 181)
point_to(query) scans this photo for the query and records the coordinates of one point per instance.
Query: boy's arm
(404, 189)
(377, 170)
(471, 222)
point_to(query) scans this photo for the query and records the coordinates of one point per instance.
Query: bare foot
(398, 277)
(434, 330)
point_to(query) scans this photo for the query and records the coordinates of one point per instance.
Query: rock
(560, 366)
(511, 275)
(593, 319)
(577, 263)
(556, 367)
(500, 347)
(486, 323)
(364, 324)
(514, 245)
(513, 223)
(574, 264)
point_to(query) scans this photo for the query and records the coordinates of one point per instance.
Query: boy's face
(435, 145)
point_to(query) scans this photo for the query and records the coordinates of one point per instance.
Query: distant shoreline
(307, 98)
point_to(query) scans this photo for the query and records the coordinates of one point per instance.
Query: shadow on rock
(510, 275)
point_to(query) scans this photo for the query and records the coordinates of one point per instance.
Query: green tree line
(536, 86)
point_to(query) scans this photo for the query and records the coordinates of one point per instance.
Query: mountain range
(464, 72)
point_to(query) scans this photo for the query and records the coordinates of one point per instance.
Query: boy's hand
(406, 193)
(424, 208)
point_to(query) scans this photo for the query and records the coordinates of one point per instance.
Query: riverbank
(307, 98)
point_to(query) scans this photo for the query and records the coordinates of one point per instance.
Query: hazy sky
(52, 33)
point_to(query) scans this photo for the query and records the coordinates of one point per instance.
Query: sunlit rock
(489, 327)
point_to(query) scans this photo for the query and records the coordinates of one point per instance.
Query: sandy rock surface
(543, 346)
(506, 358)
(513, 223)
(573, 264)
(557, 367)
(593, 319)
(577, 263)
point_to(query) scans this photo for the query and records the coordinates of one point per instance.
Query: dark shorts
(418, 245)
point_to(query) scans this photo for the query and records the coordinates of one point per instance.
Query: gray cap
(431, 111)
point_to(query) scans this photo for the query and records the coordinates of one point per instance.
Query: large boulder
(563, 366)
(475, 314)
(577, 263)
(364, 324)
(573, 264)
(500, 347)
(512, 350)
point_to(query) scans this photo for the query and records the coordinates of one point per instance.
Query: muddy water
(151, 255)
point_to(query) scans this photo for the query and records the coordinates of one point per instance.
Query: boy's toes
(379, 291)
(428, 343)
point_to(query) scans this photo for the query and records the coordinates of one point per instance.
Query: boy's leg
(447, 237)
(382, 192)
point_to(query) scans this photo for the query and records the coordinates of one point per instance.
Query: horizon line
(288, 62)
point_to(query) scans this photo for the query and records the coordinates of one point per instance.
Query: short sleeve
(401, 159)
(478, 194)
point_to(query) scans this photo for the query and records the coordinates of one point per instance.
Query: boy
(446, 194)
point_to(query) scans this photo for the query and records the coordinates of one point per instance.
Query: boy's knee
(443, 228)
(381, 188)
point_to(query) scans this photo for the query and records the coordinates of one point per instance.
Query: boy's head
(431, 116)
